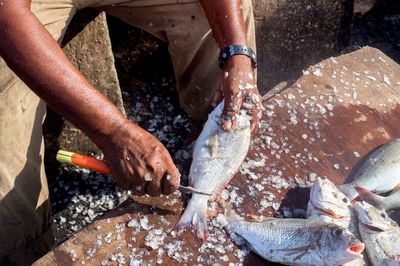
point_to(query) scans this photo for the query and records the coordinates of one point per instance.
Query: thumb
(232, 104)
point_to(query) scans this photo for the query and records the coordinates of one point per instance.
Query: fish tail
(348, 190)
(195, 216)
(373, 199)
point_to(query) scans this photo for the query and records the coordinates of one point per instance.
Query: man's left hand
(240, 93)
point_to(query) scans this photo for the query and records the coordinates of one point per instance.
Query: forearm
(226, 21)
(32, 53)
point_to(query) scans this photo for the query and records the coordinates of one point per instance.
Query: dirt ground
(146, 77)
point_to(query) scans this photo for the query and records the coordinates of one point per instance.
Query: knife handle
(83, 161)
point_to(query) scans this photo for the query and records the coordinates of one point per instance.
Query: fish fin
(373, 199)
(396, 188)
(195, 216)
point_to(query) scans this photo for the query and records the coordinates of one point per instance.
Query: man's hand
(239, 85)
(240, 93)
(140, 162)
(137, 159)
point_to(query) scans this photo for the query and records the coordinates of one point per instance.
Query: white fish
(296, 241)
(380, 234)
(328, 204)
(217, 156)
(384, 203)
(380, 173)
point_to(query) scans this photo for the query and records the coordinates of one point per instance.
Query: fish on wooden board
(217, 156)
(380, 234)
(295, 241)
(384, 203)
(380, 172)
(328, 204)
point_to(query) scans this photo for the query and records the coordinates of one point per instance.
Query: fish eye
(338, 232)
(345, 200)
(383, 215)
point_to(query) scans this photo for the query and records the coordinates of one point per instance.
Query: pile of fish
(337, 228)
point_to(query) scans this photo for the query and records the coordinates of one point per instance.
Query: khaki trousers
(25, 229)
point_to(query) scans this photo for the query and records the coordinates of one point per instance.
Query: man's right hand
(139, 161)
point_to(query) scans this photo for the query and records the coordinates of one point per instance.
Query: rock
(291, 35)
(88, 46)
(363, 6)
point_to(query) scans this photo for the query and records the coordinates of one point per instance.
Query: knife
(100, 166)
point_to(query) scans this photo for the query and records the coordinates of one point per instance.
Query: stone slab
(88, 46)
(322, 126)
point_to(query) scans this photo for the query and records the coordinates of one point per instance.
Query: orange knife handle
(83, 161)
(89, 162)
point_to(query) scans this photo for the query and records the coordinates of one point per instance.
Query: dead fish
(380, 234)
(217, 156)
(328, 204)
(295, 241)
(384, 203)
(380, 173)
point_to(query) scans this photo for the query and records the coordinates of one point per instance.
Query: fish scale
(213, 167)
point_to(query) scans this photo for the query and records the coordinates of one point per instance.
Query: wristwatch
(231, 50)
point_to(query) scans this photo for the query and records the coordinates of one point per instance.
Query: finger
(153, 188)
(120, 174)
(218, 97)
(138, 182)
(232, 107)
(171, 182)
(252, 105)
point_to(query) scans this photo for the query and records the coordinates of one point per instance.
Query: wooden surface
(323, 125)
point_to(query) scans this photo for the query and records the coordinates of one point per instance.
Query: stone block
(291, 35)
(88, 46)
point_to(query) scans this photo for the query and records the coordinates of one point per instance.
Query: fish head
(326, 198)
(373, 219)
(341, 246)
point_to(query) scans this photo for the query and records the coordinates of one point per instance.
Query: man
(29, 32)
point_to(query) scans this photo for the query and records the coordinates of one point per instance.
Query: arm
(32, 53)
(239, 86)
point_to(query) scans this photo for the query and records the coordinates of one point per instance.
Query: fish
(328, 204)
(217, 156)
(384, 203)
(380, 172)
(295, 241)
(380, 234)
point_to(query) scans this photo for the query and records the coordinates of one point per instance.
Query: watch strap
(231, 50)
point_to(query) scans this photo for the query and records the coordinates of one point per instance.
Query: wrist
(108, 132)
(231, 51)
(240, 62)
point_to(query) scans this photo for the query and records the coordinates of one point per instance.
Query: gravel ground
(78, 196)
